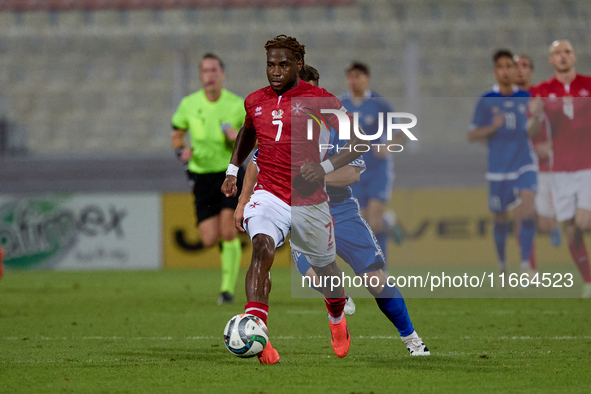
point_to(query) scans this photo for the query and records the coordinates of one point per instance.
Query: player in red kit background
(542, 143)
(563, 101)
(289, 196)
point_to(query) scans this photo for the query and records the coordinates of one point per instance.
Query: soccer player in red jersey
(542, 142)
(289, 195)
(562, 101)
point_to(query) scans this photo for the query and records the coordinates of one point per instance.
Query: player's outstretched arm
(250, 179)
(344, 176)
(245, 141)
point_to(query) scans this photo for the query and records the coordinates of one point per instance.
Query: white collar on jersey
(497, 89)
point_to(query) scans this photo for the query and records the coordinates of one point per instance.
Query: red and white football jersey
(281, 127)
(568, 110)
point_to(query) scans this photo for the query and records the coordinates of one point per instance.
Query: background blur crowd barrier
(82, 231)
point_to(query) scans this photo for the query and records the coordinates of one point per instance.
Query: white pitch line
(493, 312)
(159, 360)
(372, 337)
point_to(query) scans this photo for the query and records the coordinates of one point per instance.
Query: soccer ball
(246, 335)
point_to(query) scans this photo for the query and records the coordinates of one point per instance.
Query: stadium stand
(104, 76)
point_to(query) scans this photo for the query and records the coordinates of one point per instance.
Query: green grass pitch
(161, 332)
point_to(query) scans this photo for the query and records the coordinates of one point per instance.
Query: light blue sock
(393, 306)
(526, 238)
(500, 234)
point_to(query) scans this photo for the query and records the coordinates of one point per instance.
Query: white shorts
(544, 199)
(571, 190)
(267, 214)
(312, 233)
(312, 227)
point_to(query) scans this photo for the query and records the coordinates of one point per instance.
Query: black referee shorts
(209, 199)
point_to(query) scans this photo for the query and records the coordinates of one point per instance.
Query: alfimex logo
(344, 128)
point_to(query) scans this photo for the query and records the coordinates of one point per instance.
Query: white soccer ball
(246, 335)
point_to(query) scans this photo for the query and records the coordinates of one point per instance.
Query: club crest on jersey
(552, 96)
(584, 93)
(297, 109)
(277, 114)
(495, 110)
(258, 111)
(522, 108)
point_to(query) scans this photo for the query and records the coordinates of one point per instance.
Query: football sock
(578, 251)
(393, 306)
(532, 257)
(258, 309)
(335, 307)
(526, 238)
(500, 234)
(231, 256)
(556, 237)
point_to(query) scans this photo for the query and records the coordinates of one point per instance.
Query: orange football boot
(269, 355)
(339, 337)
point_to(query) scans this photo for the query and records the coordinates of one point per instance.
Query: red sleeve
(249, 107)
(542, 136)
(331, 102)
(534, 90)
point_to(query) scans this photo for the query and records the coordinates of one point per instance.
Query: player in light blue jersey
(356, 243)
(500, 119)
(375, 188)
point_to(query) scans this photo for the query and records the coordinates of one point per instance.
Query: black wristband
(179, 152)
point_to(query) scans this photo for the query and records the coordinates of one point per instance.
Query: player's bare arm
(178, 144)
(534, 122)
(344, 176)
(480, 133)
(250, 179)
(245, 142)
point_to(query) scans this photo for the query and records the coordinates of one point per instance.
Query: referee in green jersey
(212, 117)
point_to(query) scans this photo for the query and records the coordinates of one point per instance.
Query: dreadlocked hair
(283, 41)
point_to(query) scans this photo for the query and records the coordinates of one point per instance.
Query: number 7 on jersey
(279, 123)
